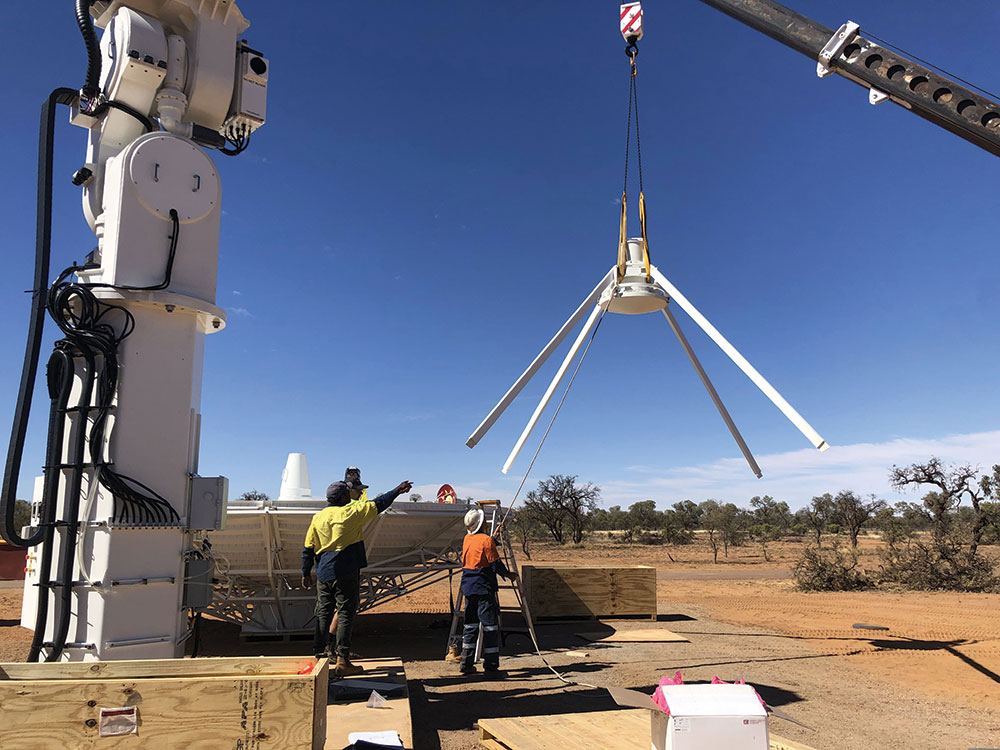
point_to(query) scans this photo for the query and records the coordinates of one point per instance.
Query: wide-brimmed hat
(474, 520)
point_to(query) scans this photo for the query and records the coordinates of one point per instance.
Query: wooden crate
(568, 591)
(195, 704)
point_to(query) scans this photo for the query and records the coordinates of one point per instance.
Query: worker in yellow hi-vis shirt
(334, 544)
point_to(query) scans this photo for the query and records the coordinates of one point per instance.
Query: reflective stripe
(491, 650)
(491, 627)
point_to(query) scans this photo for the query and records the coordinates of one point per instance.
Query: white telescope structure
(116, 563)
(630, 290)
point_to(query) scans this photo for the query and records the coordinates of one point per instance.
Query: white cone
(295, 479)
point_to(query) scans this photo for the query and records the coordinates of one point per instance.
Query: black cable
(71, 510)
(91, 88)
(36, 319)
(638, 144)
(196, 634)
(59, 376)
(628, 131)
(104, 106)
(238, 139)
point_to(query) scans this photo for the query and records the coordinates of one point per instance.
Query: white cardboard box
(702, 717)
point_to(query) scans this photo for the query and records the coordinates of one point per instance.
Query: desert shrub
(829, 570)
(938, 566)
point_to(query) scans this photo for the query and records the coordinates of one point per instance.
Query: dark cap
(337, 491)
(356, 484)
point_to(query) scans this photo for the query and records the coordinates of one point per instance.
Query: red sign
(446, 494)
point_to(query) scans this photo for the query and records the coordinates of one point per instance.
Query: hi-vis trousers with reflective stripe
(481, 609)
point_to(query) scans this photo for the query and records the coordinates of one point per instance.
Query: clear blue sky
(436, 190)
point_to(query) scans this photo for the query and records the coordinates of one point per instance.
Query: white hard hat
(474, 520)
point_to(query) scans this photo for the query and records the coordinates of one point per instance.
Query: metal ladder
(493, 511)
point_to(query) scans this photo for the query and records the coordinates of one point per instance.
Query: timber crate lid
(164, 668)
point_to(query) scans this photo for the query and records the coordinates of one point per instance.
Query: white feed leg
(712, 392)
(768, 390)
(522, 381)
(591, 321)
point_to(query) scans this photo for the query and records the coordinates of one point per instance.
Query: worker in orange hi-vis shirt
(481, 564)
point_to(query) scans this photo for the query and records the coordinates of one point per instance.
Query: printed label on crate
(119, 721)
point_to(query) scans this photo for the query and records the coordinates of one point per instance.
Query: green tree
(853, 513)
(733, 525)
(560, 503)
(819, 515)
(253, 496)
(22, 514)
(688, 514)
(951, 485)
(643, 516)
(712, 521)
(674, 531)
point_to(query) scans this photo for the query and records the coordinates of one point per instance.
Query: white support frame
(602, 295)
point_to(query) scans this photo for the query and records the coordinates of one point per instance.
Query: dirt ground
(931, 681)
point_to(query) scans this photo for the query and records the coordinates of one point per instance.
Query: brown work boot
(454, 653)
(344, 668)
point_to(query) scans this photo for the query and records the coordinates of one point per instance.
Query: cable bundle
(90, 333)
(238, 138)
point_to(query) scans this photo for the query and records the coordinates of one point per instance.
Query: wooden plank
(252, 712)
(342, 718)
(156, 668)
(624, 729)
(639, 635)
(574, 591)
(320, 692)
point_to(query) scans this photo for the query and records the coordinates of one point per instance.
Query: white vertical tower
(154, 203)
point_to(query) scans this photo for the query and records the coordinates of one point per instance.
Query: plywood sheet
(342, 718)
(639, 635)
(609, 730)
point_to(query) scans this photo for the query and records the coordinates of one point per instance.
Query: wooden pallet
(564, 591)
(624, 729)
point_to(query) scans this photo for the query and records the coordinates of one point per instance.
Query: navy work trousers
(481, 608)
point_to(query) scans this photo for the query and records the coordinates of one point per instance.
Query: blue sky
(436, 190)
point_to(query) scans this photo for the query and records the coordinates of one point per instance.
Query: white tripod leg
(768, 390)
(712, 392)
(522, 381)
(591, 321)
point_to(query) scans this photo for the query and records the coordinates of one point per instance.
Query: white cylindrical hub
(634, 295)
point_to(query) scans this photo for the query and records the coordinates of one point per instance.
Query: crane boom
(924, 92)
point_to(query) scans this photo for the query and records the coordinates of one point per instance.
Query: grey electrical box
(198, 582)
(207, 503)
(248, 109)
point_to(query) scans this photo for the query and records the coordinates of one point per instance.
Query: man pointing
(334, 543)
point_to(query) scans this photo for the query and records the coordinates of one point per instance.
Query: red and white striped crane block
(631, 21)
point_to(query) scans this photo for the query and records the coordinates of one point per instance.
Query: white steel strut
(634, 294)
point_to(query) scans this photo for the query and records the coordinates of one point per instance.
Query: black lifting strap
(631, 50)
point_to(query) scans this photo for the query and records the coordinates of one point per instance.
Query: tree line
(944, 529)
